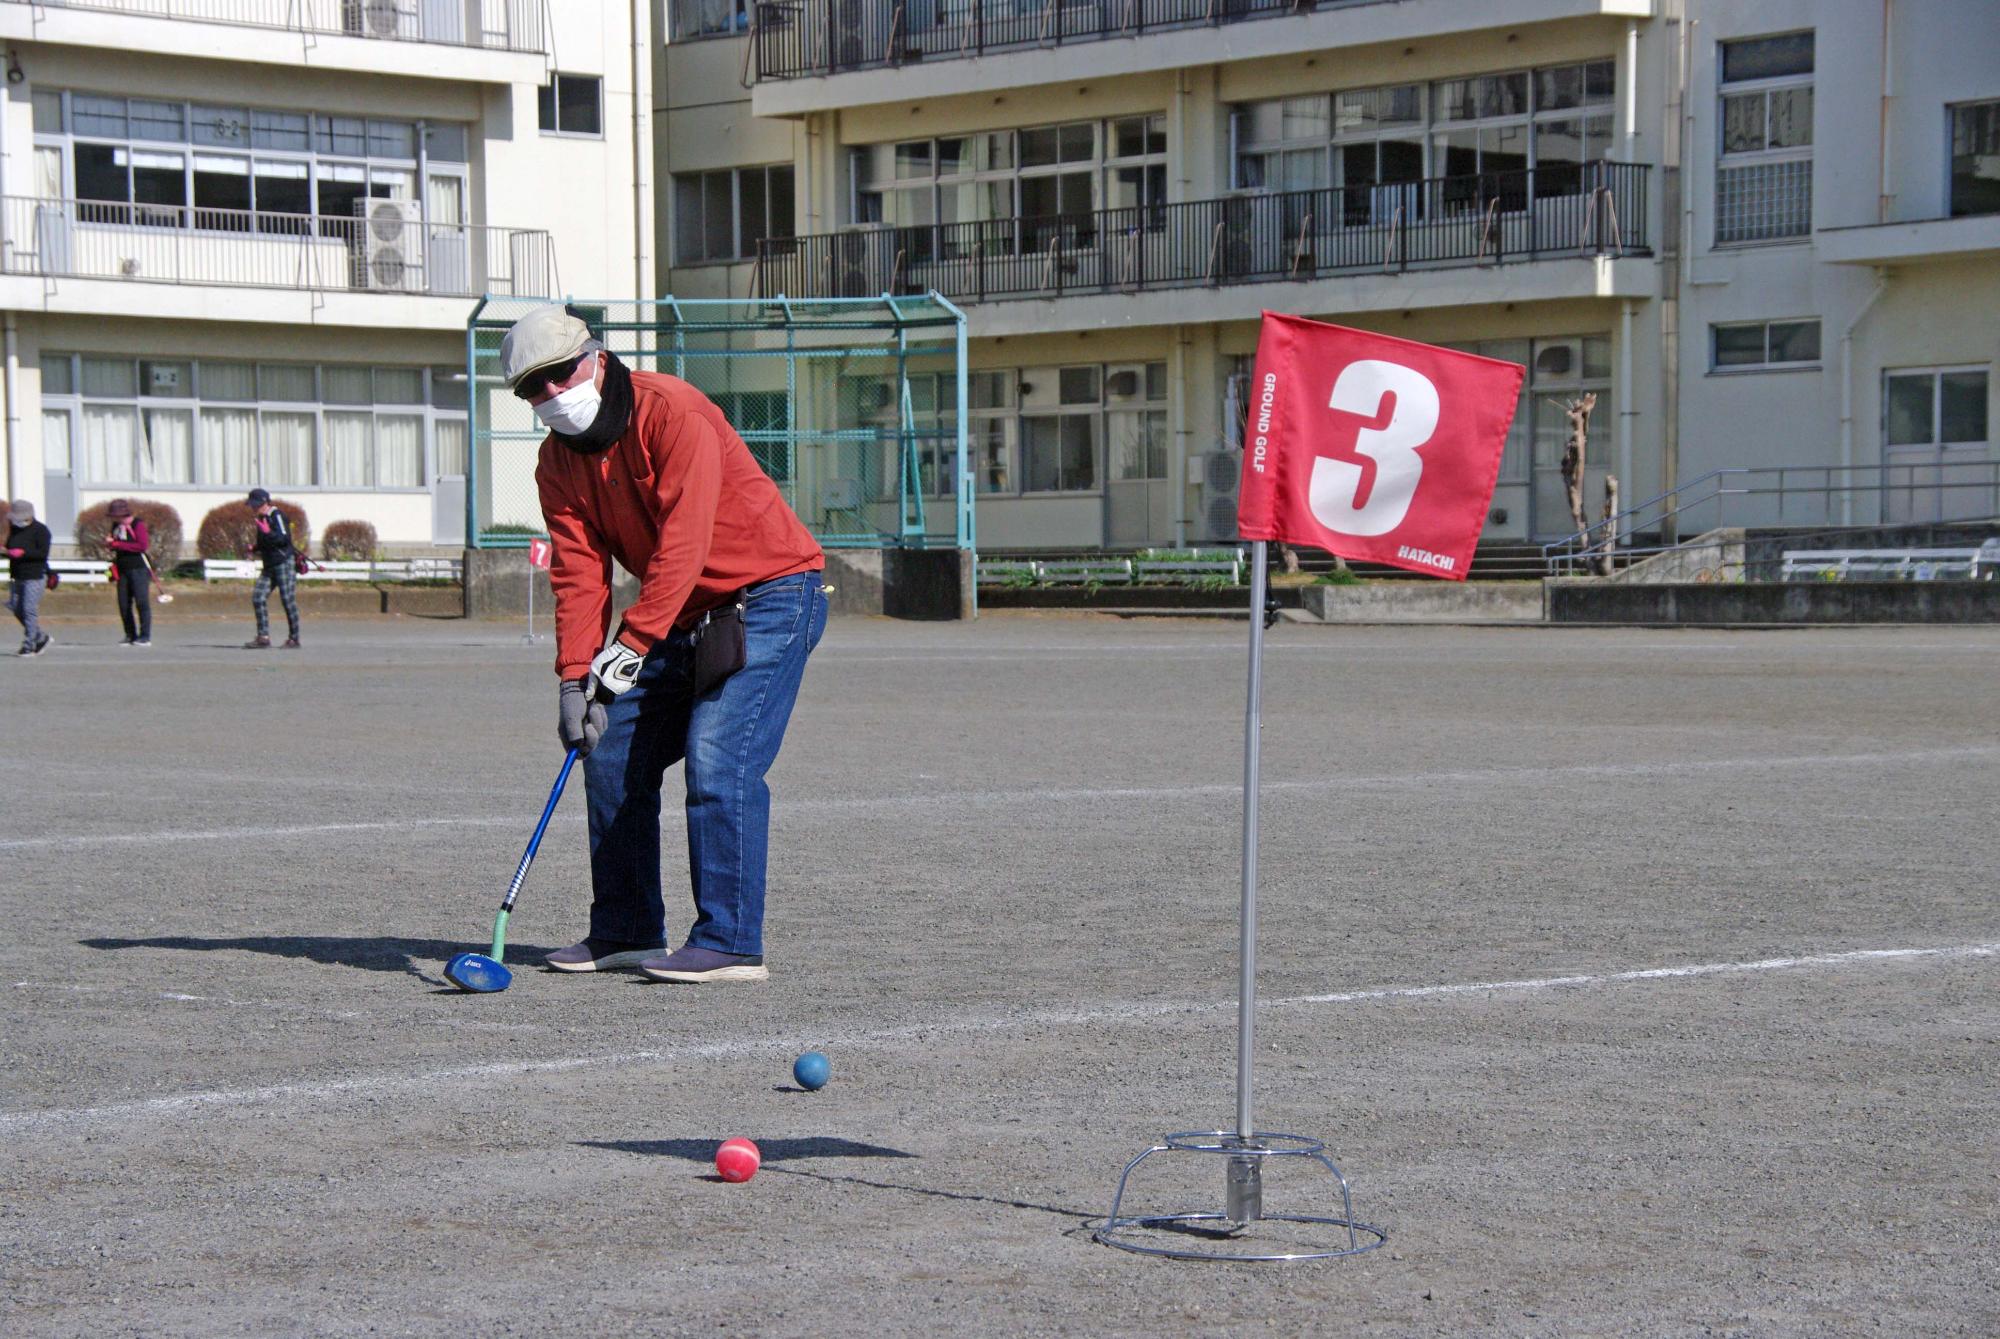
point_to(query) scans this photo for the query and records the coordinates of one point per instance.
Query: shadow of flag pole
(1373, 448)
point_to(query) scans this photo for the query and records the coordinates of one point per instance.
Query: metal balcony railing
(797, 39)
(501, 25)
(391, 251)
(1587, 210)
(1960, 484)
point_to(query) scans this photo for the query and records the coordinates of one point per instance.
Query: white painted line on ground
(955, 799)
(237, 834)
(968, 1025)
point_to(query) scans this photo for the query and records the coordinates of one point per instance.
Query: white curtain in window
(110, 439)
(350, 443)
(399, 442)
(453, 447)
(55, 441)
(166, 451)
(288, 450)
(229, 446)
(48, 172)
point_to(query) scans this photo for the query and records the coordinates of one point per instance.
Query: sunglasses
(541, 378)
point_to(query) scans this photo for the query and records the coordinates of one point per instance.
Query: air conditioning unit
(859, 268)
(389, 254)
(1220, 476)
(394, 19)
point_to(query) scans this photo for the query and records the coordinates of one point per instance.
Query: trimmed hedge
(231, 528)
(163, 530)
(348, 541)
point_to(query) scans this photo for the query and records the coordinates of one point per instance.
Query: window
(1068, 412)
(1054, 176)
(572, 104)
(723, 215)
(1764, 344)
(1975, 159)
(1135, 436)
(1935, 435)
(708, 18)
(1763, 180)
(229, 169)
(216, 423)
(1373, 142)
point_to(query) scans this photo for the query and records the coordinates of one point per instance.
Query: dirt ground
(1643, 983)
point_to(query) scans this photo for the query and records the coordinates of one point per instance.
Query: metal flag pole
(1245, 1174)
(1228, 1232)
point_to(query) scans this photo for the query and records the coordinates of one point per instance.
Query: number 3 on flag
(1373, 448)
(1344, 498)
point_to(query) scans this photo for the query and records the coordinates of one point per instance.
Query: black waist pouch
(718, 646)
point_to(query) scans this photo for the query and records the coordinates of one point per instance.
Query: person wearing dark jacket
(129, 542)
(28, 565)
(274, 546)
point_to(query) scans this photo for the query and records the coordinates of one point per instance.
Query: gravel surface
(239, 1100)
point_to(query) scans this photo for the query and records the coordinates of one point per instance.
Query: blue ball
(812, 1071)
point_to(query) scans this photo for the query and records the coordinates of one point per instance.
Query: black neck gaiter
(614, 413)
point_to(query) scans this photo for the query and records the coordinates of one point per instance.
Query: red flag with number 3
(1371, 447)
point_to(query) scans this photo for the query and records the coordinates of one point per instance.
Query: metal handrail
(1478, 219)
(373, 20)
(181, 244)
(803, 39)
(1663, 513)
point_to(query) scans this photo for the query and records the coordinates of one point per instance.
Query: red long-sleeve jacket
(679, 502)
(129, 554)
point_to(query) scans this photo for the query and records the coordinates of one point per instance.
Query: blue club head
(478, 973)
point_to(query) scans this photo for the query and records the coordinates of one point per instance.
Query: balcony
(1915, 242)
(1596, 209)
(799, 39)
(391, 250)
(493, 25)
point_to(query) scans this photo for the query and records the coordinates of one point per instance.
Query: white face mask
(573, 410)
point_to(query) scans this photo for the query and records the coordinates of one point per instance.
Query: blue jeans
(24, 601)
(728, 738)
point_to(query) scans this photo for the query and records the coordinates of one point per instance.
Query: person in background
(129, 542)
(274, 546)
(28, 565)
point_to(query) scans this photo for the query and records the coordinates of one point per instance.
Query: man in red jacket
(643, 470)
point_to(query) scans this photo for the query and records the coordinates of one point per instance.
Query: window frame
(553, 90)
(1952, 112)
(1717, 368)
(1101, 166)
(678, 31)
(1428, 125)
(1936, 375)
(1765, 156)
(735, 175)
(317, 164)
(76, 400)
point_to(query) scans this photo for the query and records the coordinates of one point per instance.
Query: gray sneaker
(601, 955)
(689, 963)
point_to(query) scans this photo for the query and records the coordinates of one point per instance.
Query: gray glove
(579, 719)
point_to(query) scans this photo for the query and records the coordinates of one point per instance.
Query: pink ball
(737, 1160)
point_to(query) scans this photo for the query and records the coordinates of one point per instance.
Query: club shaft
(1253, 724)
(535, 842)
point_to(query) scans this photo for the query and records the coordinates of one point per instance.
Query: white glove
(615, 669)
